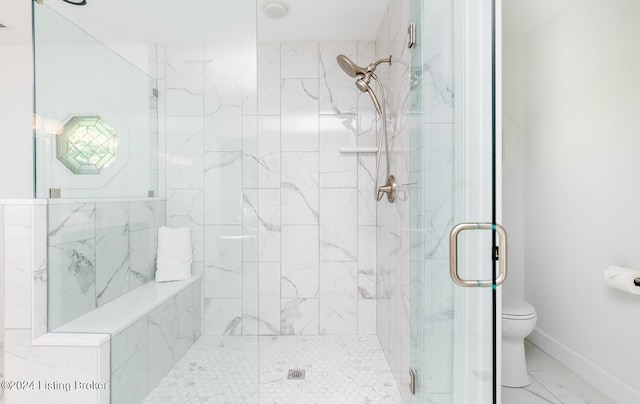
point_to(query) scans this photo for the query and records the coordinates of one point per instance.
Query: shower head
(349, 67)
(363, 76)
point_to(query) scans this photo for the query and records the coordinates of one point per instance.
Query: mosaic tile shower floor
(348, 369)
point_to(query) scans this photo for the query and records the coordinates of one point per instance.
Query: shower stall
(308, 284)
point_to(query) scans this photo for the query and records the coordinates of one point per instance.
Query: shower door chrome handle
(453, 255)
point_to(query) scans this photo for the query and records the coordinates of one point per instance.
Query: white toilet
(518, 320)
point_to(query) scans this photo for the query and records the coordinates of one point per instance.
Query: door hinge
(412, 381)
(411, 31)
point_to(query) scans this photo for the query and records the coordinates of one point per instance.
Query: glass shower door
(454, 215)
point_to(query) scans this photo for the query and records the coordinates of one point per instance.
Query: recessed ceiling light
(275, 9)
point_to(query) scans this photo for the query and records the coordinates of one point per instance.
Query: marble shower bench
(150, 329)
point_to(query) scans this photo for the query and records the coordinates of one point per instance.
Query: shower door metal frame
(491, 282)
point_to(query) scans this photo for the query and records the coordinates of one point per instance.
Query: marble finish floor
(348, 369)
(552, 382)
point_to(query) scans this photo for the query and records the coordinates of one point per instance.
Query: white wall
(581, 192)
(513, 120)
(16, 138)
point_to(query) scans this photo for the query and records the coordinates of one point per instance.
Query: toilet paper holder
(636, 281)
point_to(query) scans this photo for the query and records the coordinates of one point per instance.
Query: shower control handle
(389, 188)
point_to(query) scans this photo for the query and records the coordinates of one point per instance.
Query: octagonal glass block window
(87, 144)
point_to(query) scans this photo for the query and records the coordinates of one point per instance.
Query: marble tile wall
(394, 221)
(143, 353)
(23, 261)
(97, 252)
(259, 177)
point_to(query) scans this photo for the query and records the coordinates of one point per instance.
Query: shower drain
(296, 374)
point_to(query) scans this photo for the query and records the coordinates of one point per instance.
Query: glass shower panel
(96, 116)
(452, 172)
(417, 195)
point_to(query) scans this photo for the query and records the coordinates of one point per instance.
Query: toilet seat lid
(513, 307)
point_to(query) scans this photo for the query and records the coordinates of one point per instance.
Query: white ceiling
(199, 21)
(150, 21)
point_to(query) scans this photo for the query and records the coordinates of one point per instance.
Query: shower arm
(375, 64)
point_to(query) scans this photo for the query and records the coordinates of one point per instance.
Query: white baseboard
(618, 390)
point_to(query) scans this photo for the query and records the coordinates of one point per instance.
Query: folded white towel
(174, 254)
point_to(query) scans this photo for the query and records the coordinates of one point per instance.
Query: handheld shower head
(349, 67)
(363, 85)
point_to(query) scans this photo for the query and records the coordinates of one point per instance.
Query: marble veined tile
(223, 59)
(269, 225)
(269, 298)
(535, 393)
(183, 333)
(338, 169)
(366, 262)
(250, 162)
(184, 79)
(250, 298)
(299, 317)
(367, 204)
(299, 188)
(338, 298)
(338, 93)
(250, 225)
(299, 116)
(366, 317)
(71, 222)
(299, 59)
(72, 281)
(269, 78)
(39, 302)
(300, 262)
(249, 68)
(39, 236)
(223, 115)
(185, 208)
(161, 342)
(570, 388)
(183, 301)
(129, 380)
(142, 215)
(269, 152)
(112, 251)
(198, 303)
(143, 257)
(185, 155)
(60, 364)
(223, 262)
(438, 66)
(16, 255)
(223, 190)
(126, 343)
(222, 316)
(338, 224)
